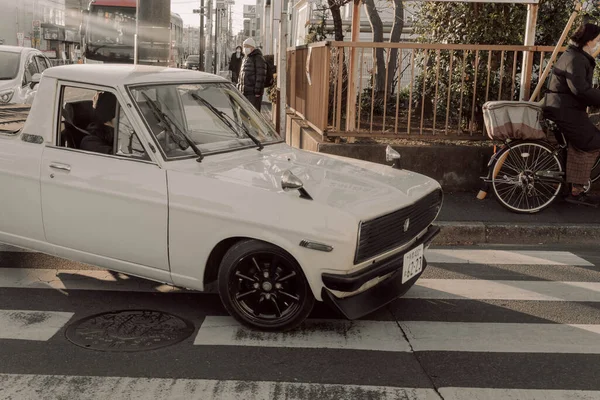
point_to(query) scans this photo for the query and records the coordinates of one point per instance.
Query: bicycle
(528, 175)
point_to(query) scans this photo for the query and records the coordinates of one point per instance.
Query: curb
(472, 233)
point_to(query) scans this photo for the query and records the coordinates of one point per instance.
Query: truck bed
(13, 116)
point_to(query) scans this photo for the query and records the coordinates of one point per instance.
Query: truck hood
(361, 188)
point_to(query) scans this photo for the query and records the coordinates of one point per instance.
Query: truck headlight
(6, 96)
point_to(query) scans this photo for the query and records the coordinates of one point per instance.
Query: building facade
(51, 26)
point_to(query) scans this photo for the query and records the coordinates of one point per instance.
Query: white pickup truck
(172, 176)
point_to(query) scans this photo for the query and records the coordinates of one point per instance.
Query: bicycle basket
(513, 120)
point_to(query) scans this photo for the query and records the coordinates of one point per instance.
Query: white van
(20, 72)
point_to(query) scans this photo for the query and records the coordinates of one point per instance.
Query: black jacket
(570, 92)
(236, 63)
(253, 74)
(100, 139)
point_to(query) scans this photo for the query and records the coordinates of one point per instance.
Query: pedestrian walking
(235, 64)
(253, 74)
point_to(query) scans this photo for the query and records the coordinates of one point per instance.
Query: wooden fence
(406, 89)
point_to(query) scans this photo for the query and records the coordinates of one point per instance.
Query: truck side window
(93, 121)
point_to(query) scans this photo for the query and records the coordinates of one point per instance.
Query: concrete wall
(457, 168)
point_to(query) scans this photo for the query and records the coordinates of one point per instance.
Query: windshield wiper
(167, 123)
(226, 120)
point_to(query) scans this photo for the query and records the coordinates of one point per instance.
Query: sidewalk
(266, 109)
(466, 220)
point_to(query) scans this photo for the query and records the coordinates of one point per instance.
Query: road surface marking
(29, 387)
(448, 289)
(31, 325)
(500, 257)
(503, 337)
(470, 289)
(30, 278)
(331, 334)
(517, 394)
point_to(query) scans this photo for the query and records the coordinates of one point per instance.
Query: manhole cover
(129, 330)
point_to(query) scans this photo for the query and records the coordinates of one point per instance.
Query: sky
(185, 9)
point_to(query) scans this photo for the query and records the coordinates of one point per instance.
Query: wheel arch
(211, 270)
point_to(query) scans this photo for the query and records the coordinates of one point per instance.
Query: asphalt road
(465, 207)
(482, 323)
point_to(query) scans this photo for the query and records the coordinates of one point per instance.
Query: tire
(263, 287)
(516, 183)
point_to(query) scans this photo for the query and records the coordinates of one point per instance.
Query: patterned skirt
(580, 164)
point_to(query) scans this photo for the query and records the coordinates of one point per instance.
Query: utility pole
(217, 15)
(208, 51)
(201, 60)
(282, 68)
(201, 38)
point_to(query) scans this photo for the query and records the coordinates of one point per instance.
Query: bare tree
(395, 36)
(379, 54)
(335, 8)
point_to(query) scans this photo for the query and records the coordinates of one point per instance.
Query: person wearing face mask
(570, 92)
(235, 64)
(253, 74)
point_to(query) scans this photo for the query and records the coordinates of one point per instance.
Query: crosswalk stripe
(463, 256)
(31, 325)
(500, 257)
(25, 387)
(29, 278)
(503, 337)
(517, 394)
(442, 289)
(332, 334)
(451, 289)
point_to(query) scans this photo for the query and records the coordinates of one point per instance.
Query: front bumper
(363, 303)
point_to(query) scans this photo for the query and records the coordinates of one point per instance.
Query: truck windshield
(9, 65)
(214, 116)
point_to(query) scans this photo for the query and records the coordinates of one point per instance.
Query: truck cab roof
(122, 75)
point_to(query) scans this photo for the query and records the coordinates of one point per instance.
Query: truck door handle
(62, 167)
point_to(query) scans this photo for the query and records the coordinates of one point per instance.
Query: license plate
(413, 263)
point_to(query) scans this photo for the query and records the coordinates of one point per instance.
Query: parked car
(192, 62)
(20, 72)
(198, 188)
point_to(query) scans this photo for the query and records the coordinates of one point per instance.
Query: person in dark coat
(253, 74)
(102, 130)
(569, 94)
(235, 64)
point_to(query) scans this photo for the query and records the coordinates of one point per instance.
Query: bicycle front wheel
(527, 177)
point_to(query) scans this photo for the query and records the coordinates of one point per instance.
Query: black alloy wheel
(263, 287)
